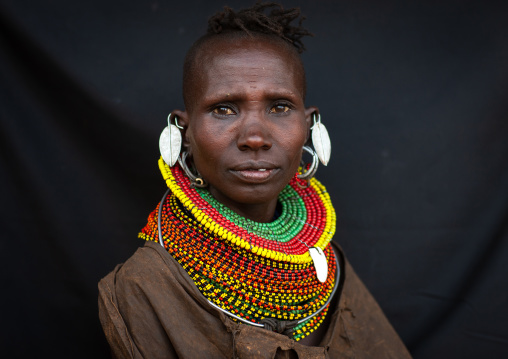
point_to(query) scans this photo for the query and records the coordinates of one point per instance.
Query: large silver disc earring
(321, 139)
(307, 175)
(196, 181)
(170, 142)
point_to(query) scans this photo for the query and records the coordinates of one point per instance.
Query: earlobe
(182, 119)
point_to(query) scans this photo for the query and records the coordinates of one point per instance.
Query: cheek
(202, 150)
(199, 138)
(295, 138)
(205, 148)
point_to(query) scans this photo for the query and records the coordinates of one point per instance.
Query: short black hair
(264, 19)
(267, 18)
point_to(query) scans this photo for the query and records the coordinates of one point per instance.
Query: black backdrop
(414, 95)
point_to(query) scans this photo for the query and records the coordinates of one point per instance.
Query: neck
(257, 212)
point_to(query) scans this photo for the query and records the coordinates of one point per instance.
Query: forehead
(231, 43)
(223, 58)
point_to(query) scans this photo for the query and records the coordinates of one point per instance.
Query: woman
(238, 260)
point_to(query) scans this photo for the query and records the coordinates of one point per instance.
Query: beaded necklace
(254, 271)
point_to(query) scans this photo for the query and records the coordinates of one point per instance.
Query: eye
(280, 108)
(223, 111)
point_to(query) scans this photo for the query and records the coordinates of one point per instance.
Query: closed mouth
(254, 172)
(261, 166)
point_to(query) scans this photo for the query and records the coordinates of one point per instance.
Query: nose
(254, 133)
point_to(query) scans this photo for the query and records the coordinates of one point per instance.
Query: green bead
(283, 229)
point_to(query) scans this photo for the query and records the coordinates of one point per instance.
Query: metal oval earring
(307, 175)
(195, 180)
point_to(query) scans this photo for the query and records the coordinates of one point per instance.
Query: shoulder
(149, 306)
(130, 301)
(148, 280)
(363, 328)
(145, 266)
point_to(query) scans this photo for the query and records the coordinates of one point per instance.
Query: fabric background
(414, 95)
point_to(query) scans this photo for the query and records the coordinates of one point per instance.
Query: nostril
(254, 142)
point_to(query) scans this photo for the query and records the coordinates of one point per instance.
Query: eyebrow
(233, 95)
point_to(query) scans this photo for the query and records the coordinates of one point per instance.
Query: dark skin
(246, 123)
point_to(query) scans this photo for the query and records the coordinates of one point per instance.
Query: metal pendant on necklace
(320, 264)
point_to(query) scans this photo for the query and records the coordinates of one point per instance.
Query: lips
(255, 172)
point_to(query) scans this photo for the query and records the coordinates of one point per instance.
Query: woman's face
(246, 123)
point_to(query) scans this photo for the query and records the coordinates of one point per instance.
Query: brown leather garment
(150, 308)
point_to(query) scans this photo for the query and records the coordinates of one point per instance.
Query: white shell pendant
(170, 144)
(320, 264)
(321, 141)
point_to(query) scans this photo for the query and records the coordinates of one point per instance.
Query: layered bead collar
(257, 272)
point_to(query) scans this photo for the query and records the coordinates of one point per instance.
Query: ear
(182, 117)
(308, 119)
